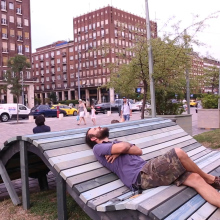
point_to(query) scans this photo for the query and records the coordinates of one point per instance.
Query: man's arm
(125, 148)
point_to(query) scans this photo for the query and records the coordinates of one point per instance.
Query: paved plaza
(11, 129)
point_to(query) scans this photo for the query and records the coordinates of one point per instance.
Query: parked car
(193, 103)
(104, 107)
(69, 110)
(45, 110)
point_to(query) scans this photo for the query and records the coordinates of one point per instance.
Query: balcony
(52, 57)
(52, 72)
(64, 54)
(42, 67)
(18, 0)
(3, 21)
(64, 62)
(64, 70)
(4, 36)
(19, 25)
(64, 79)
(52, 64)
(4, 50)
(18, 11)
(53, 81)
(42, 59)
(42, 82)
(19, 38)
(3, 7)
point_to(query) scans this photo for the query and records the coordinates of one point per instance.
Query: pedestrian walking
(41, 127)
(93, 116)
(81, 112)
(126, 111)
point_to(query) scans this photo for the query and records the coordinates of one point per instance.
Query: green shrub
(210, 101)
(164, 105)
(67, 102)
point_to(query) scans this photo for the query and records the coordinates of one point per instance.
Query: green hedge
(210, 101)
(67, 102)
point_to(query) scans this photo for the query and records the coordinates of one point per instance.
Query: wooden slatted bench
(98, 191)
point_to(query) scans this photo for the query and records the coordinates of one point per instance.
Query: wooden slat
(215, 215)
(187, 209)
(91, 184)
(87, 176)
(91, 194)
(109, 195)
(69, 157)
(82, 169)
(171, 205)
(203, 212)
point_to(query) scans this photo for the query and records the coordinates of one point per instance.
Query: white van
(23, 111)
(4, 114)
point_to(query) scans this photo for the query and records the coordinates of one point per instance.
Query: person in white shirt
(126, 111)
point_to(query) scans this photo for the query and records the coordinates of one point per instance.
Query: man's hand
(111, 158)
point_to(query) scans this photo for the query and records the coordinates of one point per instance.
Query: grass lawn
(43, 207)
(209, 139)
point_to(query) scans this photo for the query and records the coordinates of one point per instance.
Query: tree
(53, 97)
(14, 75)
(211, 77)
(170, 61)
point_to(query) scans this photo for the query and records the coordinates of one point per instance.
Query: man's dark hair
(114, 121)
(88, 139)
(39, 120)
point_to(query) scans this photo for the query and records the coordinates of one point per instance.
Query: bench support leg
(61, 198)
(24, 175)
(42, 180)
(8, 184)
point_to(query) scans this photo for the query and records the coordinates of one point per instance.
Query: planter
(208, 118)
(184, 121)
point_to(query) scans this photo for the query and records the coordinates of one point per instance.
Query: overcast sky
(52, 20)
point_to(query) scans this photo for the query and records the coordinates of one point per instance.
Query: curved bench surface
(102, 191)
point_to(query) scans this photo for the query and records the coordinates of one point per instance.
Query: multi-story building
(207, 62)
(16, 39)
(53, 67)
(98, 38)
(196, 71)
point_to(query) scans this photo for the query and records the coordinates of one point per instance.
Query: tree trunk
(17, 109)
(144, 99)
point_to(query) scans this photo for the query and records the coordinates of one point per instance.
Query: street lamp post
(22, 87)
(150, 60)
(79, 59)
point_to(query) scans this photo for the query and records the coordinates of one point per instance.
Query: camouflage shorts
(163, 171)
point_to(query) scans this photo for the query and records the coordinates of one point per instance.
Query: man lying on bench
(175, 166)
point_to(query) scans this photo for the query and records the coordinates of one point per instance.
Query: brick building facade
(98, 38)
(16, 39)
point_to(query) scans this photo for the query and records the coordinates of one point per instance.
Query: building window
(106, 21)
(58, 60)
(11, 19)
(12, 32)
(71, 57)
(58, 52)
(4, 33)
(26, 35)
(19, 48)
(71, 49)
(12, 46)
(11, 5)
(26, 22)
(28, 74)
(5, 61)
(46, 55)
(58, 68)
(27, 49)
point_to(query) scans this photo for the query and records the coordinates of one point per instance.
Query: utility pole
(79, 58)
(22, 87)
(187, 79)
(150, 60)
